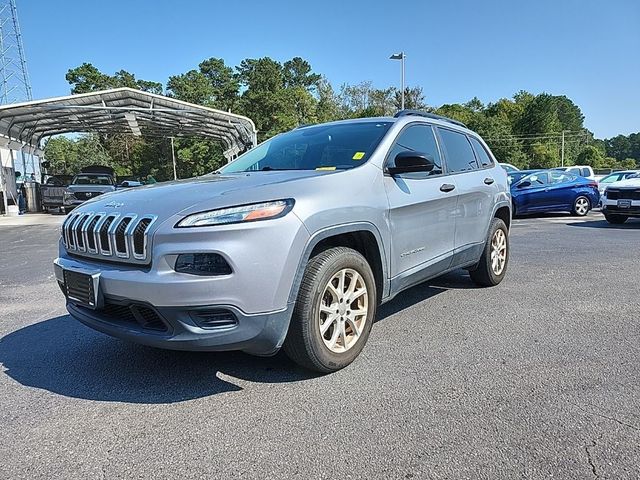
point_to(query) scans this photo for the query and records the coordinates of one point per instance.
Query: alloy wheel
(582, 206)
(498, 251)
(343, 310)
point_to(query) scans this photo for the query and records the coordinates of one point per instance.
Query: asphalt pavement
(535, 378)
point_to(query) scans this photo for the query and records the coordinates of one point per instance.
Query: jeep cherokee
(292, 245)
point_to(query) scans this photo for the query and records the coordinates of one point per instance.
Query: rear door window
(585, 172)
(458, 150)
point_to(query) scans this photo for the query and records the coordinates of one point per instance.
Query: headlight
(242, 213)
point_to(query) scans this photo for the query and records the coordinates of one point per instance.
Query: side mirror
(524, 184)
(408, 162)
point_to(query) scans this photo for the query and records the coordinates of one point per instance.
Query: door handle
(489, 180)
(447, 187)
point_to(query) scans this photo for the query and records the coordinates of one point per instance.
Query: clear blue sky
(587, 50)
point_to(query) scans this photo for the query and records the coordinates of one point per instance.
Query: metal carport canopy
(121, 110)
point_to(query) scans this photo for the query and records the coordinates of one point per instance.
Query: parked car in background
(554, 191)
(622, 200)
(88, 184)
(580, 170)
(513, 177)
(52, 191)
(509, 168)
(293, 244)
(614, 177)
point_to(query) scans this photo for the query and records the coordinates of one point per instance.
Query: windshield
(92, 180)
(322, 147)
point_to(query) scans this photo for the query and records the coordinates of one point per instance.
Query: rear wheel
(581, 206)
(615, 219)
(334, 311)
(493, 264)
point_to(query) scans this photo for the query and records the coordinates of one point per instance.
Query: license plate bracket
(81, 288)
(624, 203)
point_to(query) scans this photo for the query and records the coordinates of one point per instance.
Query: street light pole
(400, 56)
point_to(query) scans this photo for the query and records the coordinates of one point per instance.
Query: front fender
(334, 230)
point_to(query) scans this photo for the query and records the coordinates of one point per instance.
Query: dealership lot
(534, 378)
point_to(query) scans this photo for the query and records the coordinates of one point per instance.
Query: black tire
(482, 274)
(615, 219)
(304, 343)
(575, 208)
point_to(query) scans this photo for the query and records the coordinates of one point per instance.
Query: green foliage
(68, 156)
(524, 130)
(590, 155)
(87, 78)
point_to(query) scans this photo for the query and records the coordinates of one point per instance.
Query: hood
(201, 193)
(628, 183)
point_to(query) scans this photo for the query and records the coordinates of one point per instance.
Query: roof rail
(420, 113)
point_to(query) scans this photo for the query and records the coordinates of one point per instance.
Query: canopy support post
(173, 157)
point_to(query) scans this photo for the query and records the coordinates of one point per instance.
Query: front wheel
(334, 311)
(615, 219)
(492, 266)
(581, 206)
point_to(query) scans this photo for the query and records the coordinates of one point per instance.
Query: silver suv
(294, 244)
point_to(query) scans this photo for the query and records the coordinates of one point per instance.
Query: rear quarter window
(481, 153)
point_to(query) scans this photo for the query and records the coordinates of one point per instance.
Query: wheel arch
(363, 237)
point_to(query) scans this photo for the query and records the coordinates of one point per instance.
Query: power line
(535, 136)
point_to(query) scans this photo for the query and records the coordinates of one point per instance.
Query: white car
(579, 170)
(622, 200)
(509, 168)
(613, 178)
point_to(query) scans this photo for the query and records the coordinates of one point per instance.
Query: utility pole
(562, 150)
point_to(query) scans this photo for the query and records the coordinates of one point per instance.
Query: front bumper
(611, 207)
(261, 334)
(173, 327)
(264, 257)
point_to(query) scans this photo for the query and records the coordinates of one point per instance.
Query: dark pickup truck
(52, 191)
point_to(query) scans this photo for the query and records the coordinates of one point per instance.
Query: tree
(591, 156)
(413, 99)
(193, 87)
(297, 73)
(223, 81)
(67, 156)
(87, 78)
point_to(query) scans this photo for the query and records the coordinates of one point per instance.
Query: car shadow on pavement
(458, 279)
(631, 224)
(63, 356)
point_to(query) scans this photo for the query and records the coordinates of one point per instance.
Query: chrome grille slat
(109, 235)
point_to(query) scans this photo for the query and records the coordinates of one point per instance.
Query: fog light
(202, 264)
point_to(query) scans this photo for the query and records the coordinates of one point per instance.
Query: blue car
(554, 191)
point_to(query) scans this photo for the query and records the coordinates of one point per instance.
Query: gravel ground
(535, 378)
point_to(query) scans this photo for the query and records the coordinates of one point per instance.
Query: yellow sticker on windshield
(326, 168)
(358, 156)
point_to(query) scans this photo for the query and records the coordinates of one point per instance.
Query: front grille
(623, 194)
(86, 195)
(131, 314)
(121, 241)
(109, 236)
